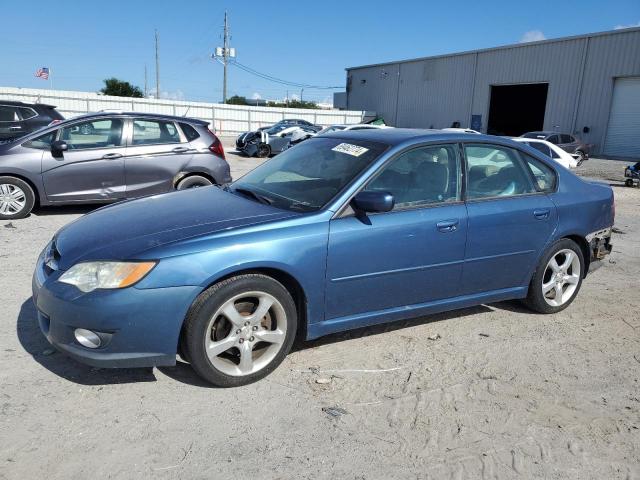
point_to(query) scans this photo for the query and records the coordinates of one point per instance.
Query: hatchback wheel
(239, 330)
(16, 198)
(557, 279)
(194, 181)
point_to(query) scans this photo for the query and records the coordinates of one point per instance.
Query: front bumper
(139, 327)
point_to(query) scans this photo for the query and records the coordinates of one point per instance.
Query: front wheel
(557, 279)
(628, 182)
(17, 198)
(239, 330)
(194, 181)
(263, 151)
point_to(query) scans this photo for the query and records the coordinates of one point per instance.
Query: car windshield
(306, 177)
(277, 128)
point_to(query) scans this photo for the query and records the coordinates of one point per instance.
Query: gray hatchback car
(106, 157)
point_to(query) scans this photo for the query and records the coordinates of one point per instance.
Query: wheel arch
(182, 175)
(584, 247)
(292, 285)
(28, 181)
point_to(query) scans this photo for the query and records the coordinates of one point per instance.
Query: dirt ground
(487, 392)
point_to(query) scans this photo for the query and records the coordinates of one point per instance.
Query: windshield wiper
(256, 196)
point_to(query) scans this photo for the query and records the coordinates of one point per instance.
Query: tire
(193, 181)
(583, 157)
(17, 198)
(222, 333)
(564, 281)
(628, 182)
(263, 151)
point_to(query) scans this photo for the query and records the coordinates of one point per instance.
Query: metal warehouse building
(588, 85)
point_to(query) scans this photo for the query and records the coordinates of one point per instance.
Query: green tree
(237, 100)
(294, 104)
(120, 88)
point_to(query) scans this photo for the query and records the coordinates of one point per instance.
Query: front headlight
(92, 275)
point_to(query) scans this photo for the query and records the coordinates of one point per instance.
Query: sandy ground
(487, 392)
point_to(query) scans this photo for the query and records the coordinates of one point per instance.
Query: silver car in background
(106, 157)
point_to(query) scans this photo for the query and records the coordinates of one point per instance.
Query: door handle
(541, 214)
(446, 226)
(180, 150)
(15, 128)
(112, 156)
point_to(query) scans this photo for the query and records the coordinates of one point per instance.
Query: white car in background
(550, 150)
(355, 126)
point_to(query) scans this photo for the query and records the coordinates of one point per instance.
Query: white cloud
(532, 36)
(256, 96)
(631, 25)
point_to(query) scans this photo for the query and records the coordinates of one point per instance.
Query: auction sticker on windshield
(349, 149)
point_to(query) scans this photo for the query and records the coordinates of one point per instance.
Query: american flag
(43, 73)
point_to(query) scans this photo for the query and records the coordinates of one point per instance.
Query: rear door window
(544, 176)
(541, 147)
(555, 139)
(27, 113)
(154, 132)
(566, 139)
(495, 171)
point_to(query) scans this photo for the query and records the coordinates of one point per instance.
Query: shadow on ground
(65, 210)
(34, 343)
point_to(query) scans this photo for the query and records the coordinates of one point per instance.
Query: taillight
(216, 147)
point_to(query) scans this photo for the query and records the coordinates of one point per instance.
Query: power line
(271, 78)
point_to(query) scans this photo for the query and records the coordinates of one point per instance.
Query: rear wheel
(557, 279)
(628, 182)
(193, 181)
(16, 198)
(240, 330)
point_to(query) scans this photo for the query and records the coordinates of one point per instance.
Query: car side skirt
(319, 329)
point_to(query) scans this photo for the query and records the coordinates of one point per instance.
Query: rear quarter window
(189, 132)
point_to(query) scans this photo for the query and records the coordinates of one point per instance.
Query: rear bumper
(138, 327)
(599, 246)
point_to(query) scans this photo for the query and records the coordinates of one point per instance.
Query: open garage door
(624, 120)
(517, 109)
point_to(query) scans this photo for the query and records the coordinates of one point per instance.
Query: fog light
(87, 338)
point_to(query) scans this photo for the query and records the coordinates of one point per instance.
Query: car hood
(127, 229)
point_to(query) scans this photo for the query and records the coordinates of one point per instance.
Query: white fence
(227, 119)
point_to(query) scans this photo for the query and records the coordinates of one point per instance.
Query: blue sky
(305, 42)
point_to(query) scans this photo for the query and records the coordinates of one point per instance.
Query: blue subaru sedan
(343, 231)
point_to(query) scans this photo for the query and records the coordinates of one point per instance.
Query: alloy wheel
(12, 199)
(561, 277)
(246, 333)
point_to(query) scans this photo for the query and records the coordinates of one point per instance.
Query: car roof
(396, 136)
(160, 116)
(24, 104)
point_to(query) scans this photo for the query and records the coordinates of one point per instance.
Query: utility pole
(146, 89)
(157, 69)
(223, 54)
(225, 57)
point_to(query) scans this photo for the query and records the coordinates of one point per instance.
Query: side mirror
(373, 202)
(58, 147)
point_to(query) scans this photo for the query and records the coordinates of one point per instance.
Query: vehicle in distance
(19, 118)
(552, 151)
(565, 141)
(273, 140)
(106, 157)
(342, 231)
(292, 121)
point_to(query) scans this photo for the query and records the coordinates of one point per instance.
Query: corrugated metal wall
(438, 91)
(227, 119)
